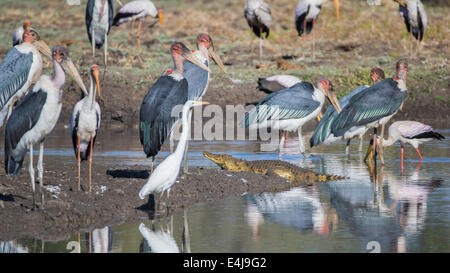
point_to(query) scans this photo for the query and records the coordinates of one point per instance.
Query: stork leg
(314, 40)
(31, 171)
(93, 42)
(283, 137)
(138, 35)
(381, 145)
(90, 165)
(171, 142)
(79, 164)
(347, 147)
(374, 156)
(360, 148)
(260, 44)
(106, 49)
(185, 164)
(153, 163)
(417, 150)
(401, 157)
(410, 41)
(132, 26)
(40, 168)
(300, 142)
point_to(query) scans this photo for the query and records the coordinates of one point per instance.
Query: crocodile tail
(326, 177)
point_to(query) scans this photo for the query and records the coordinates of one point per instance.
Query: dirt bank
(114, 198)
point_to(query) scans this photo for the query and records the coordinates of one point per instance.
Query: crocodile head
(227, 162)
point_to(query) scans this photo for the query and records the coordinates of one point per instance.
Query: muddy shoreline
(114, 199)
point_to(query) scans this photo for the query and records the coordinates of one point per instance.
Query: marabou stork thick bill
(166, 173)
(415, 18)
(198, 77)
(156, 119)
(322, 133)
(35, 117)
(372, 107)
(306, 14)
(99, 20)
(290, 108)
(19, 69)
(137, 10)
(276, 83)
(17, 37)
(259, 18)
(84, 124)
(412, 132)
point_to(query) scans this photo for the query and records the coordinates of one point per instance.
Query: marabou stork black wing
(88, 18)
(23, 118)
(380, 100)
(292, 103)
(110, 14)
(14, 70)
(165, 119)
(323, 129)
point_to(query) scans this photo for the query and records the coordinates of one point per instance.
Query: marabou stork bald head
(180, 52)
(32, 37)
(402, 69)
(326, 87)
(204, 40)
(61, 55)
(376, 75)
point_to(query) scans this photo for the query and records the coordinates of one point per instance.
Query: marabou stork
(322, 133)
(166, 173)
(17, 37)
(35, 117)
(197, 77)
(290, 108)
(276, 83)
(259, 18)
(412, 132)
(20, 68)
(137, 10)
(306, 13)
(85, 122)
(415, 18)
(156, 120)
(372, 107)
(99, 19)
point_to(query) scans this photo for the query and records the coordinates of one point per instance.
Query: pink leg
(417, 149)
(138, 36)
(401, 157)
(314, 40)
(90, 166)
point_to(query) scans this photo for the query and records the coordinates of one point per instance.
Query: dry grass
(366, 36)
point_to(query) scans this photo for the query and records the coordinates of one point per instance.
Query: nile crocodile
(284, 169)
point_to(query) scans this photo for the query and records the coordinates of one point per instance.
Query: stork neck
(391, 140)
(318, 96)
(92, 90)
(178, 62)
(59, 76)
(205, 52)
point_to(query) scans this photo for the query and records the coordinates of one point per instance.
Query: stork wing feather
(165, 121)
(292, 103)
(413, 128)
(371, 104)
(14, 71)
(110, 14)
(89, 15)
(23, 118)
(323, 129)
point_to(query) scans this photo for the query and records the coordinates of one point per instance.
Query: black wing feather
(23, 118)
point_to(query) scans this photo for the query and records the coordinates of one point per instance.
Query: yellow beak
(161, 18)
(96, 76)
(336, 5)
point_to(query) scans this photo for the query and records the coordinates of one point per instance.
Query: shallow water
(386, 211)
